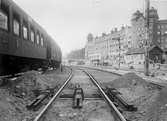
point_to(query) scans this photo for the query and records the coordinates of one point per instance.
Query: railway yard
(25, 98)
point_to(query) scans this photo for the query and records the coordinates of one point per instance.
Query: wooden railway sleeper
(116, 97)
(36, 103)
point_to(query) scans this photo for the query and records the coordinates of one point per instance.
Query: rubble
(91, 111)
(158, 109)
(138, 92)
(18, 93)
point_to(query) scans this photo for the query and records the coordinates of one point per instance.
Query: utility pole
(146, 64)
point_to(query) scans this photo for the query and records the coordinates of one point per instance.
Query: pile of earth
(28, 85)
(17, 93)
(13, 108)
(131, 86)
(136, 91)
(128, 80)
(158, 110)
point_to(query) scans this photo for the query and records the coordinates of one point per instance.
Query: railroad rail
(159, 85)
(117, 115)
(46, 108)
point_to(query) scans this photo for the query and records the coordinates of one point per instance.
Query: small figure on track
(78, 97)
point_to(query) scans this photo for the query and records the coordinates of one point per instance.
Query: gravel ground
(136, 91)
(103, 77)
(149, 99)
(93, 110)
(83, 80)
(158, 110)
(18, 93)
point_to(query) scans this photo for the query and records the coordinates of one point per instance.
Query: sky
(70, 21)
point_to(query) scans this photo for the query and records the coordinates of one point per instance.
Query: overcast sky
(70, 21)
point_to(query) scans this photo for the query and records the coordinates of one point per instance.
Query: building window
(38, 39)
(141, 56)
(42, 41)
(16, 27)
(25, 32)
(162, 27)
(3, 21)
(32, 36)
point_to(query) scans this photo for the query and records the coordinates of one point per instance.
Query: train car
(23, 43)
(56, 55)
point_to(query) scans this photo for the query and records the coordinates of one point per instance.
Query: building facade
(112, 48)
(162, 33)
(157, 30)
(109, 48)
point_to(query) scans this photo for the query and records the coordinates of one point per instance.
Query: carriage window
(3, 21)
(32, 36)
(38, 39)
(16, 27)
(42, 41)
(25, 32)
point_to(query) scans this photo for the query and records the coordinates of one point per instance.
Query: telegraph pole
(146, 64)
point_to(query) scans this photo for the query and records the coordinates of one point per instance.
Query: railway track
(38, 118)
(115, 112)
(159, 85)
(118, 116)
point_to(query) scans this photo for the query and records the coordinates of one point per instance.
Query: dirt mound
(136, 91)
(28, 84)
(128, 80)
(17, 93)
(158, 109)
(12, 108)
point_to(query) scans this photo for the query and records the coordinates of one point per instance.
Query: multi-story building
(96, 49)
(112, 47)
(138, 29)
(109, 48)
(162, 33)
(157, 30)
